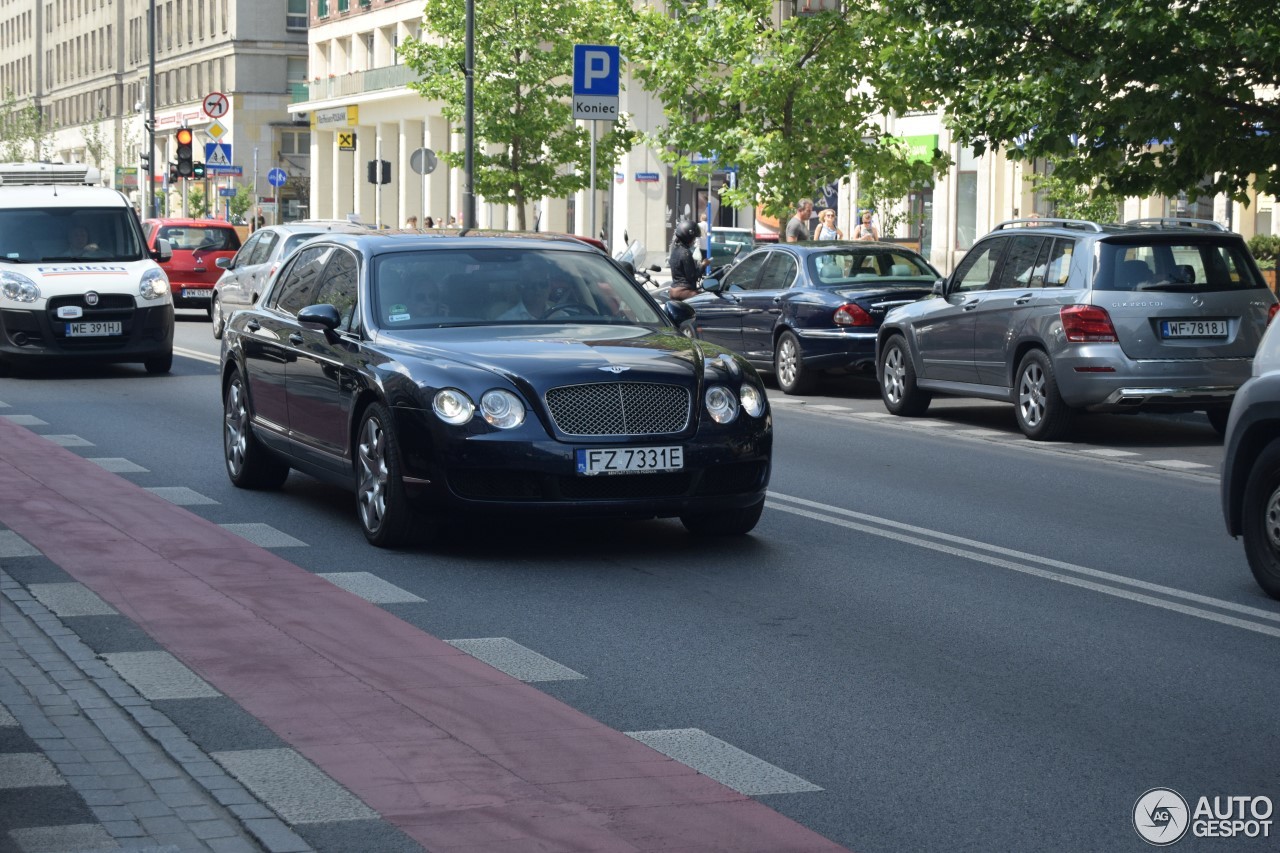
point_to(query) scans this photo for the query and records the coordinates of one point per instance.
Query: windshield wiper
(1170, 287)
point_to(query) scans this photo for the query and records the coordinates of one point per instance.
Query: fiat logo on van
(91, 298)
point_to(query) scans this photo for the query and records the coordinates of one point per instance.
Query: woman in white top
(866, 229)
(827, 229)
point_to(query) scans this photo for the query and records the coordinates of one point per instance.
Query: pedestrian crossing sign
(217, 154)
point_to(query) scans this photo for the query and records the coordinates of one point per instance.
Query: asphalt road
(967, 641)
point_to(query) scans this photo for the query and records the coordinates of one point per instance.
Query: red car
(197, 244)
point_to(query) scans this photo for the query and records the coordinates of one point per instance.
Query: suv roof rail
(1178, 222)
(1065, 223)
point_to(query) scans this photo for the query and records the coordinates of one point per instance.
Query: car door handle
(970, 305)
(1024, 299)
(296, 339)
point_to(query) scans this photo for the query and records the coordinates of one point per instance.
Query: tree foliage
(781, 100)
(527, 145)
(23, 135)
(1073, 200)
(1142, 96)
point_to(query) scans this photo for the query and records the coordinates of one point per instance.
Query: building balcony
(355, 83)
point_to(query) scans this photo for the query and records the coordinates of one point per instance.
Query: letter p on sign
(595, 70)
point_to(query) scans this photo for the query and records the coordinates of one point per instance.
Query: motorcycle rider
(684, 269)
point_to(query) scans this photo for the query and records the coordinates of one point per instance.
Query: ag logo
(1161, 816)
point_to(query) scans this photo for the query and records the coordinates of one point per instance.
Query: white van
(76, 278)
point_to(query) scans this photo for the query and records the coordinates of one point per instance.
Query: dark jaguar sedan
(800, 309)
(433, 373)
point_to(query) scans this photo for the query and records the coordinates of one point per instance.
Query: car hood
(551, 355)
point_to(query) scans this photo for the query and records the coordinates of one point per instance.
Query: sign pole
(594, 204)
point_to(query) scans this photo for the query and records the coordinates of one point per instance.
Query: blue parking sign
(595, 69)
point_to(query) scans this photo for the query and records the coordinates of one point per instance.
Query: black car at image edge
(435, 373)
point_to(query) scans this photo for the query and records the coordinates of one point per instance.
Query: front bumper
(27, 335)
(724, 468)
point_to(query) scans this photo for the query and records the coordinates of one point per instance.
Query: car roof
(378, 242)
(191, 223)
(60, 196)
(813, 247)
(1146, 226)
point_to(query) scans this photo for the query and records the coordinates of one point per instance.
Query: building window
(322, 8)
(344, 5)
(294, 143)
(967, 200)
(295, 16)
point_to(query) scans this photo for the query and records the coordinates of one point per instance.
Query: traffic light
(144, 162)
(197, 170)
(173, 173)
(379, 171)
(185, 165)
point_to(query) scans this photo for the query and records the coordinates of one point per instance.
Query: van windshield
(32, 235)
(1174, 265)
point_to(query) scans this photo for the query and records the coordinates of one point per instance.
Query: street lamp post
(152, 204)
(469, 162)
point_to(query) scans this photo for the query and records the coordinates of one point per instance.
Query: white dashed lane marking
(515, 660)
(294, 787)
(264, 535)
(68, 440)
(1177, 464)
(71, 599)
(117, 465)
(159, 675)
(181, 495)
(725, 763)
(1109, 452)
(24, 420)
(370, 587)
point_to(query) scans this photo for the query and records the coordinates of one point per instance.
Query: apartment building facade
(85, 64)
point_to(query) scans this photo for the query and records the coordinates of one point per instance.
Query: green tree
(96, 143)
(1074, 200)
(23, 135)
(1140, 96)
(781, 101)
(527, 145)
(241, 201)
(197, 202)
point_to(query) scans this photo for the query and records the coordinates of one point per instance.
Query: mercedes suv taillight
(1087, 324)
(852, 315)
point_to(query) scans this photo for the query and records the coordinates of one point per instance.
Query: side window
(978, 267)
(295, 290)
(1019, 269)
(743, 276)
(338, 286)
(244, 257)
(779, 272)
(1058, 269)
(263, 249)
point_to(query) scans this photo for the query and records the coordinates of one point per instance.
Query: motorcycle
(632, 260)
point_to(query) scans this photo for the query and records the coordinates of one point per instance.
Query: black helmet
(686, 231)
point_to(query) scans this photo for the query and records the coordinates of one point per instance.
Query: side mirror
(712, 285)
(629, 267)
(163, 252)
(678, 312)
(223, 263)
(321, 315)
(654, 268)
(940, 287)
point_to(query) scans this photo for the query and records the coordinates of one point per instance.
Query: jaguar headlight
(752, 400)
(154, 285)
(453, 406)
(721, 404)
(502, 409)
(19, 288)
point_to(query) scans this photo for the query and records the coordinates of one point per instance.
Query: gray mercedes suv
(1058, 316)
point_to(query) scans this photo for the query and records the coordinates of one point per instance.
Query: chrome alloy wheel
(1031, 397)
(894, 376)
(788, 361)
(1271, 517)
(235, 433)
(372, 494)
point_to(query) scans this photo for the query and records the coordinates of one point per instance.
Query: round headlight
(752, 400)
(721, 404)
(453, 406)
(154, 285)
(19, 288)
(502, 409)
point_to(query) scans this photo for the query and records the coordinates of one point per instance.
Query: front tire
(249, 464)
(217, 318)
(898, 387)
(1260, 520)
(731, 522)
(1042, 413)
(386, 516)
(788, 366)
(159, 364)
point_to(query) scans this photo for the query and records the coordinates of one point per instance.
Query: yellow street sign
(346, 140)
(215, 129)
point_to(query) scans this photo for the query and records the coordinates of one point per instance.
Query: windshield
(465, 287)
(212, 238)
(1179, 265)
(863, 266)
(29, 235)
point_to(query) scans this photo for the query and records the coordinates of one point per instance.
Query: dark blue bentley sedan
(799, 309)
(443, 372)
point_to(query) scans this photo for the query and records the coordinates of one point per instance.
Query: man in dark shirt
(684, 269)
(798, 226)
